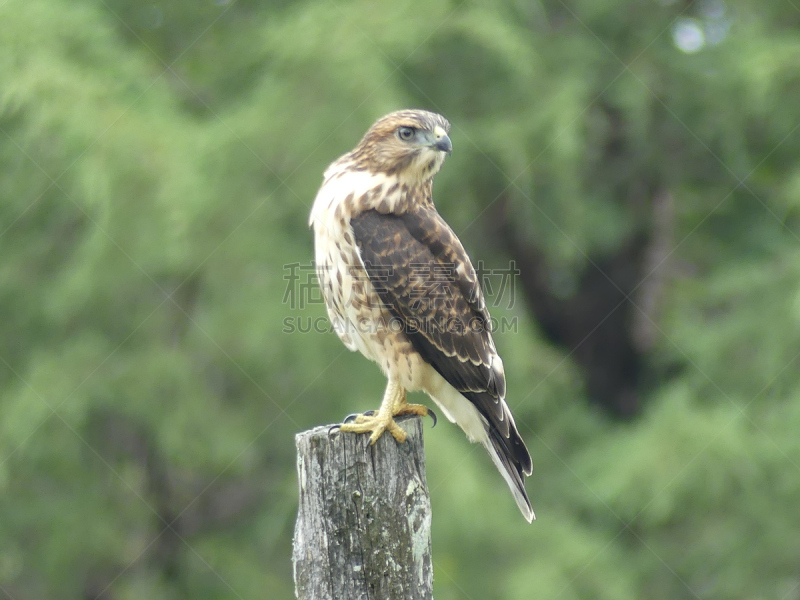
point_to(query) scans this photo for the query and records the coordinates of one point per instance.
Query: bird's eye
(405, 133)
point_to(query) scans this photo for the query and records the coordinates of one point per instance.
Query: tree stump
(363, 528)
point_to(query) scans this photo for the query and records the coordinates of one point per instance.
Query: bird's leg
(376, 423)
(393, 404)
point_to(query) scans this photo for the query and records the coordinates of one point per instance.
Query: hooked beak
(442, 143)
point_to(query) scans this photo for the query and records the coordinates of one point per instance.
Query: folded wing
(423, 275)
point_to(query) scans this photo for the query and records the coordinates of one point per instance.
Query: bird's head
(410, 144)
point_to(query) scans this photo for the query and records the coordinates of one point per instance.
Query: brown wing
(422, 274)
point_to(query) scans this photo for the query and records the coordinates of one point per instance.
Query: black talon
(332, 429)
(352, 417)
(432, 415)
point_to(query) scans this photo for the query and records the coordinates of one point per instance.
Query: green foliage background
(157, 165)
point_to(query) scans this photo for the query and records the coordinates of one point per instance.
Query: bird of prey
(400, 288)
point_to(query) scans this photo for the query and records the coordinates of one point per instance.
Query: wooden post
(363, 528)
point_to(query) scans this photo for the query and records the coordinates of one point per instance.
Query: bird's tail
(510, 469)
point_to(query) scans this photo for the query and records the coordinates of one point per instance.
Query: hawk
(400, 288)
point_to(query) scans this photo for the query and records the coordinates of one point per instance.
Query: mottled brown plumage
(400, 288)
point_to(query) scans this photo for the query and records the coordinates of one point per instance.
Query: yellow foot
(375, 425)
(414, 409)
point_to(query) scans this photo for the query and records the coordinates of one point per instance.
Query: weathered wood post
(363, 528)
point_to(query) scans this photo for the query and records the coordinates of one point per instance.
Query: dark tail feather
(512, 459)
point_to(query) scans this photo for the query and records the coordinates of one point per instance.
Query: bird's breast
(356, 312)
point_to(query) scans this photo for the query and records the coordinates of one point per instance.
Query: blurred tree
(160, 342)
